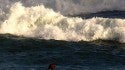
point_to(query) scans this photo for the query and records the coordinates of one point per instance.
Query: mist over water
(70, 7)
(45, 19)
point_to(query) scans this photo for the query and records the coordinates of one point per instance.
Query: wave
(18, 50)
(103, 14)
(44, 23)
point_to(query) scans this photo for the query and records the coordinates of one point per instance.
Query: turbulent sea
(73, 34)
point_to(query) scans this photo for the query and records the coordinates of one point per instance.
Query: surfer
(52, 66)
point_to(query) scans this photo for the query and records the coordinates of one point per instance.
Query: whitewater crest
(44, 23)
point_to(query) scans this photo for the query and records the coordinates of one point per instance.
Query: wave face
(41, 22)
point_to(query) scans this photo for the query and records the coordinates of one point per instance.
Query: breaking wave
(42, 22)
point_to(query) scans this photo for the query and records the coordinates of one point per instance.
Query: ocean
(72, 34)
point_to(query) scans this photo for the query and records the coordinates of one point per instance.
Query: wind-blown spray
(41, 22)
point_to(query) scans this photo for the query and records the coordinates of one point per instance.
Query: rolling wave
(44, 23)
(26, 26)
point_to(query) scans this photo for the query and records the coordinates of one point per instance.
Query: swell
(44, 23)
(9, 41)
(104, 14)
(22, 51)
(13, 43)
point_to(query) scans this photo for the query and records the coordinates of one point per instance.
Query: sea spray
(70, 7)
(44, 23)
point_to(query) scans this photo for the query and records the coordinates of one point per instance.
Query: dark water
(104, 14)
(20, 53)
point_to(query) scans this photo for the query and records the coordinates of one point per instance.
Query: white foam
(41, 22)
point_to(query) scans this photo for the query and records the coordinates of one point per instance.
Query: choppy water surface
(22, 53)
(73, 34)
